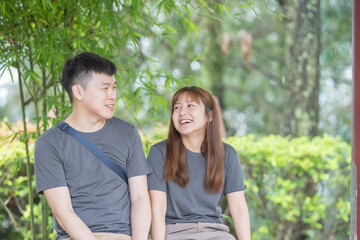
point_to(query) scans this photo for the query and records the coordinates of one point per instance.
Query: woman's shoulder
(228, 148)
(230, 154)
(157, 153)
(160, 146)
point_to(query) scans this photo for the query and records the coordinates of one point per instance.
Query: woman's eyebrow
(192, 101)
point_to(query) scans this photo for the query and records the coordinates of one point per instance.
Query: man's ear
(78, 92)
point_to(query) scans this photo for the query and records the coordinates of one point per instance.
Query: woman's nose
(183, 111)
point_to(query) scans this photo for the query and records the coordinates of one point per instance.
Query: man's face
(99, 96)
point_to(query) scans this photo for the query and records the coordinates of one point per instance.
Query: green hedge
(297, 188)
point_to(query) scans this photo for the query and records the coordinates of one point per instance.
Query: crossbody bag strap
(93, 149)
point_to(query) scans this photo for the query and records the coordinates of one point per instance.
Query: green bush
(297, 188)
(15, 208)
(14, 190)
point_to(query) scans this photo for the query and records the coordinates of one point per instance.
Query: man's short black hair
(79, 69)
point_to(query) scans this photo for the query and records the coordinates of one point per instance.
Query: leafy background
(281, 71)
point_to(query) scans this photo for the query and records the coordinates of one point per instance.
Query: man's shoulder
(118, 122)
(50, 134)
(119, 127)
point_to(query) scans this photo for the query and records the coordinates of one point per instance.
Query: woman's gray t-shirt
(193, 203)
(98, 195)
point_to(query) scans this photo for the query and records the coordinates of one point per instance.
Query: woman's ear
(210, 114)
(78, 92)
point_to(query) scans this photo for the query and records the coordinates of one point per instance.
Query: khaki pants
(198, 231)
(109, 236)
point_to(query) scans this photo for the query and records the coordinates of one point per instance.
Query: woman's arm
(240, 214)
(158, 210)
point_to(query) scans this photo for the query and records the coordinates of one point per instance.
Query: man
(89, 200)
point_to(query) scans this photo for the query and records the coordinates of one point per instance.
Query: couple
(186, 175)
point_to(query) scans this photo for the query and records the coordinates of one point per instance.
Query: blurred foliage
(163, 45)
(250, 66)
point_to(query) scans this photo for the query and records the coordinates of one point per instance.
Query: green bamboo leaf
(138, 109)
(192, 26)
(254, 11)
(3, 8)
(167, 82)
(247, 5)
(138, 34)
(211, 17)
(169, 28)
(34, 76)
(136, 93)
(42, 20)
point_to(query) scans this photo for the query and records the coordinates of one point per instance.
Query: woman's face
(189, 116)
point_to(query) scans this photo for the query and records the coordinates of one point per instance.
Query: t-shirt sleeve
(234, 175)
(137, 164)
(49, 169)
(156, 160)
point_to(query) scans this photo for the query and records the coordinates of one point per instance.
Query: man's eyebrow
(107, 84)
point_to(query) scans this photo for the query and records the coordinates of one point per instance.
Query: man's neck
(84, 123)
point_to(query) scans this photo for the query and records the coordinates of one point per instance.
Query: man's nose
(112, 93)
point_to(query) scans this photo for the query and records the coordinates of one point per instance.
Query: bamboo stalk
(28, 166)
(44, 206)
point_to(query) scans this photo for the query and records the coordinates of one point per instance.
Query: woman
(192, 171)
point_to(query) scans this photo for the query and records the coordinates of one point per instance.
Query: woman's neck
(193, 143)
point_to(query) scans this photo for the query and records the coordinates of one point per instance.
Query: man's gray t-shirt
(193, 203)
(98, 195)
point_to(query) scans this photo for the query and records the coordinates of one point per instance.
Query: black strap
(93, 149)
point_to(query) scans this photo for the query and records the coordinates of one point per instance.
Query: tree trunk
(302, 71)
(213, 58)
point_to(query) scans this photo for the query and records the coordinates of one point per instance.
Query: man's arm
(60, 203)
(158, 211)
(240, 214)
(140, 207)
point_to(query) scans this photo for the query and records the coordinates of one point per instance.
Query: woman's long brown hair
(212, 147)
